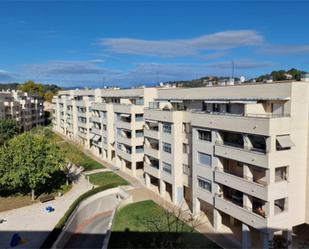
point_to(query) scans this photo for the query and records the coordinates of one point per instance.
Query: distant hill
(292, 74)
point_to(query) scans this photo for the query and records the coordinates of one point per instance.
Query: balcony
(243, 214)
(159, 115)
(123, 154)
(152, 170)
(82, 114)
(124, 140)
(98, 106)
(151, 152)
(96, 131)
(151, 133)
(81, 134)
(126, 108)
(83, 125)
(80, 103)
(253, 124)
(96, 119)
(258, 189)
(242, 155)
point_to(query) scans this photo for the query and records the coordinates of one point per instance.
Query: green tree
(8, 129)
(31, 161)
(48, 96)
(32, 87)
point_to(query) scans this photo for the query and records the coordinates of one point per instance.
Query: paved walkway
(33, 223)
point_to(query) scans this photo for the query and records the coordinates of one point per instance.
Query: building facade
(25, 108)
(236, 155)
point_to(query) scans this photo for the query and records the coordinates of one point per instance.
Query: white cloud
(91, 67)
(5, 76)
(183, 47)
(286, 49)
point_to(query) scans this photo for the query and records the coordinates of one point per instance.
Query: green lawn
(134, 228)
(104, 178)
(75, 155)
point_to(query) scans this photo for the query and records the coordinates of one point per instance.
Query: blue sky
(80, 43)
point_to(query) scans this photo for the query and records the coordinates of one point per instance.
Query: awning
(153, 122)
(285, 141)
(243, 102)
(96, 138)
(216, 101)
(125, 115)
(176, 101)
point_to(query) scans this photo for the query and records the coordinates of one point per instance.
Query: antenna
(233, 69)
(157, 74)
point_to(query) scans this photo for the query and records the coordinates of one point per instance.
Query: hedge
(53, 235)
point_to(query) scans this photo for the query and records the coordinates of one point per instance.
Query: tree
(171, 225)
(32, 87)
(48, 96)
(45, 91)
(8, 129)
(31, 161)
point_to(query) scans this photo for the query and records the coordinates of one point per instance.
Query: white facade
(23, 107)
(237, 154)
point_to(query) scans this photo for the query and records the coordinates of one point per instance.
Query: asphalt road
(91, 234)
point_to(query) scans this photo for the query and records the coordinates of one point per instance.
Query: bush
(53, 235)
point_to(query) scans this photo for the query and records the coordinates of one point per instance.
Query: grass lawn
(133, 229)
(75, 155)
(104, 178)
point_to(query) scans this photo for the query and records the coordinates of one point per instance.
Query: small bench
(47, 198)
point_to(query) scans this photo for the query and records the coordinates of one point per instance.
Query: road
(91, 233)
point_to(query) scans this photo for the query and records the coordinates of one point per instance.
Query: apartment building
(23, 107)
(236, 155)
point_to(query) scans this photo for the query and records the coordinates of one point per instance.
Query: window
(167, 167)
(139, 101)
(204, 135)
(204, 159)
(139, 117)
(281, 205)
(104, 127)
(167, 147)
(204, 183)
(284, 142)
(139, 149)
(281, 174)
(167, 128)
(139, 133)
(258, 143)
(185, 148)
(105, 140)
(186, 169)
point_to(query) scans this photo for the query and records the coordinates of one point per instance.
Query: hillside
(280, 75)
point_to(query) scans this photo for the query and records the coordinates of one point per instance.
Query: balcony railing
(247, 178)
(241, 147)
(256, 210)
(249, 115)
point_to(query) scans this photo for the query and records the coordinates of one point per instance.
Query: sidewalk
(33, 223)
